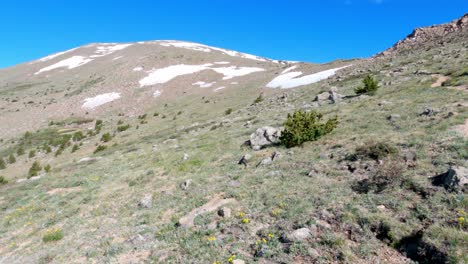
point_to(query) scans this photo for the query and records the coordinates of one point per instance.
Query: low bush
(3, 180)
(35, 169)
(100, 148)
(370, 86)
(228, 111)
(53, 234)
(123, 128)
(106, 137)
(2, 164)
(374, 150)
(305, 126)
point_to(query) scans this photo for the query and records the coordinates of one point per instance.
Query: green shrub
(47, 168)
(106, 137)
(141, 117)
(259, 99)
(51, 235)
(75, 148)
(2, 164)
(11, 159)
(100, 148)
(20, 151)
(370, 86)
(305, 126)
(78, 136)
(156, 114)
(228, 111)
(35, 169)
(32, 153)
(3, 180)
(123, 128)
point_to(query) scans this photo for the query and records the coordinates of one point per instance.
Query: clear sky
(304, 30)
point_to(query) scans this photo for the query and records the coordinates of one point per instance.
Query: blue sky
(305, 30)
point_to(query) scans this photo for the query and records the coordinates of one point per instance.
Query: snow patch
(222, 62)
(70, 63)
(76, 61)
(164, 75)
(289, 69)
(137, 69)
(53, 56)
(219, 88)
(109, 49)
(231, 72)
(116, 58)
(291, 79)
(157, 93)
(93, 102)
(205, 48)
(203, 84)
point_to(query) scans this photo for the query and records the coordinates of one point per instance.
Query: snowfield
(77, 61)
(205, 48)
(70, 63)
(164, 75)
(53, 56)
(93, 102)
(289, 79)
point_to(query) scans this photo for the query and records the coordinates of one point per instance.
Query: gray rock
(300, 234)
(186, 184)
(453, 179)
(264, 136)
(265, 162)
(245, 159)
(186, 156)
(147, 201)
(321, 97)
(393, 117)
(238, 261)
(274, 174)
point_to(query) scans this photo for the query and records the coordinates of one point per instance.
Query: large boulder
(265, 136)
(453, 179)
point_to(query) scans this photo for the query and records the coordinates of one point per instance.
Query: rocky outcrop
(426, 35)
(265, 136)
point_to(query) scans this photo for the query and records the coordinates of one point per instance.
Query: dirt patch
(62, 191)
(212, 205)
(440, 80)
(463, 129)
(134, 257)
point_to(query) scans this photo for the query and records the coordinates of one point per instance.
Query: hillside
(143, 157)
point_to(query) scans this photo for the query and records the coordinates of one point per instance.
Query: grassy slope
(96, 204)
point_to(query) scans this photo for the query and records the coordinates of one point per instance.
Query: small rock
(322, 97)
(381, 207)
(265, 162)
(276, 155)
(225, 212)
(186, 156)
(274, 174)
(428, 112)
(244, 160)
(185, 185)
(238, 261)
(300, 234)
(393, 117)
(89, 160)
(147, 201)
(313, 252)
(323, 224)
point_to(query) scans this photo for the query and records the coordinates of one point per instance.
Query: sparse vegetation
(100, 148)
(259, 99)
(228, 111)
(35, 169)
(47, 168)
(75, 148)
(106, 137)
(51, 235)
(32, 153)
(123, 128)
(11, 158)
(370, 86)
(2, 164)
(3, 181)
(302, 126)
